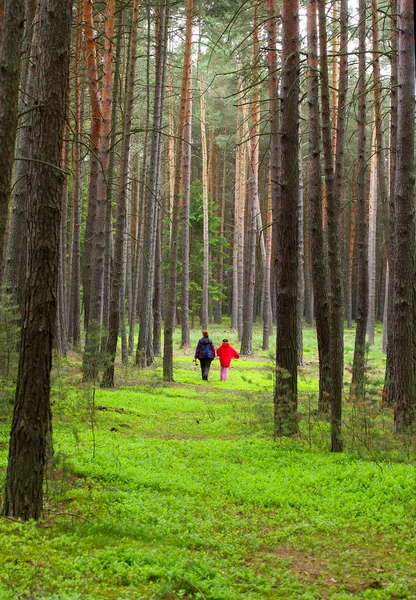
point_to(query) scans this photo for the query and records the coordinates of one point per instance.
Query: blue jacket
(205, 348)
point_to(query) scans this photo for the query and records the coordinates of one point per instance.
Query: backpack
(206, 349)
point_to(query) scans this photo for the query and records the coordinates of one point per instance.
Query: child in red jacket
(226, 353)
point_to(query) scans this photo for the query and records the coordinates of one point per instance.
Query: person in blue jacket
(205, 353)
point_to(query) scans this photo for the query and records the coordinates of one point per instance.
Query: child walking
(226, 353)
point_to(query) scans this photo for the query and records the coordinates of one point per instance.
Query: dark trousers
(205, 365)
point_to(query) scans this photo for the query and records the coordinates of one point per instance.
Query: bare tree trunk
(187, 157)
(17, 239)
(157, 299)
(236, 231)
(10, 47)
(145, 350)
(301, 279)
(286, 391)
(31, 424)
(143, 178)
(74, 301)
(274, 140)
(351, 238)
(171, 305)
(319, 270)
(388, 323)
(95, 210)
(333, 213)
(252, 202)
(119, 272)
(372, 230)
(403, 371)
(358, 369)
(61, 326)
(205, 226)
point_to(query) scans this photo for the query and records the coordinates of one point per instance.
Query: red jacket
(225, 353)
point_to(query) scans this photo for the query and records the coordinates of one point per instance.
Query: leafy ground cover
(163, 491)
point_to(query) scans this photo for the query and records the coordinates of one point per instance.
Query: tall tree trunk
(157, 299)
(205, 223)
(142, 217)
(372, 231)
(187, 157)
(171, 305)
(119, 273)
(95, 210)
(236, 230)
(273, 166)
(333, 215)
(351, 246)
(403, 371)
(319, 271)
(17, 237)
(389, 330)
(10, 47)
(301, 279)
(253, 200)
(358, 369)
(31, 423)
(286, 391)
(74, 301)
(61, 330)
(145, 350)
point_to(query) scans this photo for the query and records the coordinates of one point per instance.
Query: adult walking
(205, 353)
(226, 353)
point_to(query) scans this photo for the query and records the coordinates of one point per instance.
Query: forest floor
(172, 491)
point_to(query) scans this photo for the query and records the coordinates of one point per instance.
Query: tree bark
(31, 423)
(333, 215)
(252, 201)
(187, 166)
(319, 270)
(286, 392)
(358, 369)
(17, 239)
(403, 354)
(171, 305)
(205, 225)
(119, 271)
(10, 47)
(145, 350)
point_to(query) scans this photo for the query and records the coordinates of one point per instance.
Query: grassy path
(177, 491)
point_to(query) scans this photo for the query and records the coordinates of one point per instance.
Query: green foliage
(178, 491)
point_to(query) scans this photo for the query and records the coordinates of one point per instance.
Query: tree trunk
(205, 226)
(301, 279)
(372, 231)
(319, 271)
(74, 303)
(403, 371)
(252, 201)
(187, 158)
(95, 210)
(119, 272)
(17, 238)
(145, 350)
(286, 392)
(358, 369)
(171, 305)
(10, 47)
(388, 329)
(142, 217)
(31, 423)
(333, 214)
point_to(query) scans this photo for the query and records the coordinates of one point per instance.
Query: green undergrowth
(164, 491)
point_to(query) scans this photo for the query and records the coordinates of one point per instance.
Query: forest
(241, 169)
